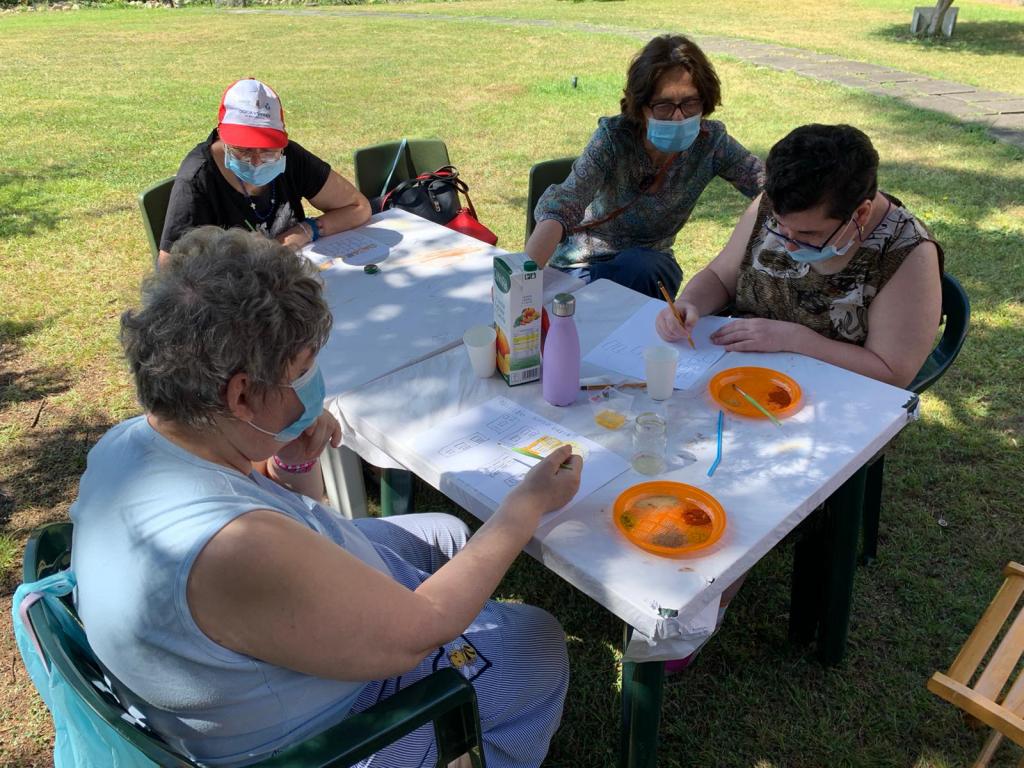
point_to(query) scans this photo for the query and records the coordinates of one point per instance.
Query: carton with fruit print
(518, 302)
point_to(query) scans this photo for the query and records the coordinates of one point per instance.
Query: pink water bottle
(560, 366)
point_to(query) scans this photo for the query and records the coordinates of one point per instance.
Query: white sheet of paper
(471, 448)
(623, 351)
(353, 248)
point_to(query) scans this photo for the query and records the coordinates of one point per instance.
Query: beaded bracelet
(314, 228)
(295, 469)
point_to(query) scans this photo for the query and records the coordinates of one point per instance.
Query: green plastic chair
(542, 176)
(956, 316)
(374, 165)
(153, 205)
(444, 698)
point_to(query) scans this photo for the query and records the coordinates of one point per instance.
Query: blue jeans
(641, 269)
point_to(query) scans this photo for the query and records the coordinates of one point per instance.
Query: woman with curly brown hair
(639, 178)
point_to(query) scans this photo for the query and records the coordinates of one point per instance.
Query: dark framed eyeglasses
(772, 225)
(666, 110)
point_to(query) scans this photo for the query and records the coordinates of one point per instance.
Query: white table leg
(343, 478)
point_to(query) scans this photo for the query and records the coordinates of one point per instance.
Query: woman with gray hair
(237, 613)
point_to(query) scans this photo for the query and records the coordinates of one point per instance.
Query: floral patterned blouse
(613, 170)
(774, 286)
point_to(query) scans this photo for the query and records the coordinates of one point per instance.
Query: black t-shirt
(201, 195)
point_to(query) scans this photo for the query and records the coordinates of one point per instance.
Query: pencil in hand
(679, 318)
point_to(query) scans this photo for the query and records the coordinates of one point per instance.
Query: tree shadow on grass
(986, 38)
(49, 461)
(19, 385)
(26, 199)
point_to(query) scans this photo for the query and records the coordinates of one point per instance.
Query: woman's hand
(756, 334)
(668, 327)
(310, 444)
(547, 486)
(297, 237)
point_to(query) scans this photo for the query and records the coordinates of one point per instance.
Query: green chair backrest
(956, 313)
(445, 697)
(373, 164)
(153, 205)
(542, 176)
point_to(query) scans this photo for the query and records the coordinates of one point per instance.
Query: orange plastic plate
(775, 391)
(669, 519)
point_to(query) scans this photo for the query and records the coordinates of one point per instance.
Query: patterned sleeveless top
(774, 286)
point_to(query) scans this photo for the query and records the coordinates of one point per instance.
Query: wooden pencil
(672, 306)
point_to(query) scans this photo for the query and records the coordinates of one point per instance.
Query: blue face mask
(673, 135)
(805, 255)
(254, 175)
(311, 391)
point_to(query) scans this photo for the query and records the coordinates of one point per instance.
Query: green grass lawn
(985, 50)
(99, 104)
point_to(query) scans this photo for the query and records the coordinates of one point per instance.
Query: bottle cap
(564, 305)
(529, 266)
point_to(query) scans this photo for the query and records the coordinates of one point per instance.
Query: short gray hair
(225, 302)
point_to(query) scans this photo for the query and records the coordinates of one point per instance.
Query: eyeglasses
(772, 225)
(252, 155)
(666, 110)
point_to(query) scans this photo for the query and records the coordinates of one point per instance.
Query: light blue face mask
(311, 391)
(673, 135)
(254, 175)
(806, 255)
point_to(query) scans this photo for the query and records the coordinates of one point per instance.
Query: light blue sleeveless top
(145, 510)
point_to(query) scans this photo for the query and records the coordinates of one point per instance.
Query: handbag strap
(448, 174)
(622, 209)
(402, 145)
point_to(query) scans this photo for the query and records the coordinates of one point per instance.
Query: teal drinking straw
(718, 454)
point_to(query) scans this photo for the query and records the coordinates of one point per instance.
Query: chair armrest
(444, 697)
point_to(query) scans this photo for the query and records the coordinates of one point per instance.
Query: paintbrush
(626, 385)
(757, 405)
(675, 312)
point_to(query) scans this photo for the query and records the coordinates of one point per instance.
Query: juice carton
(518, 302)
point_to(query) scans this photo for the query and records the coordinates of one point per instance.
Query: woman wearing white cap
(248, 174)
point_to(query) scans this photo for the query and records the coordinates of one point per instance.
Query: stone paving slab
(1004, 107)
(982, 95)
(945, 88)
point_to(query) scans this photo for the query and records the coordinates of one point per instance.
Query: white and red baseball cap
(251, 116)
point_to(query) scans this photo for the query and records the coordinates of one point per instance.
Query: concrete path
(1001, 113)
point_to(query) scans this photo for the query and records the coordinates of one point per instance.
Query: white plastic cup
(660, 365)
(479, 344)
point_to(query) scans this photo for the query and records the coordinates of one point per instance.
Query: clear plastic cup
(660, 366)
(479, 344)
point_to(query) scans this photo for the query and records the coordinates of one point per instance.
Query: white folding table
(769, 481)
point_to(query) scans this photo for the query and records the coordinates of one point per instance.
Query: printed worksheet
(623, 351)
(350, 247)
(485, 449)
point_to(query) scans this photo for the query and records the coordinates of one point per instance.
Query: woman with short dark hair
(634, 187)
(235, 612)
(824, 264)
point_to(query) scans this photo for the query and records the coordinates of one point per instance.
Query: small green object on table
(371, 269)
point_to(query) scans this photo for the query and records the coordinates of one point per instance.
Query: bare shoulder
(919, 274)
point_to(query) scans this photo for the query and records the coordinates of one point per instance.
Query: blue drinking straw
(718, 454)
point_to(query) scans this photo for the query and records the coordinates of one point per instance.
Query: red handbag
(467, 223)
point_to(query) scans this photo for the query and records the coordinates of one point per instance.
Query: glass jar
(649, 442)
